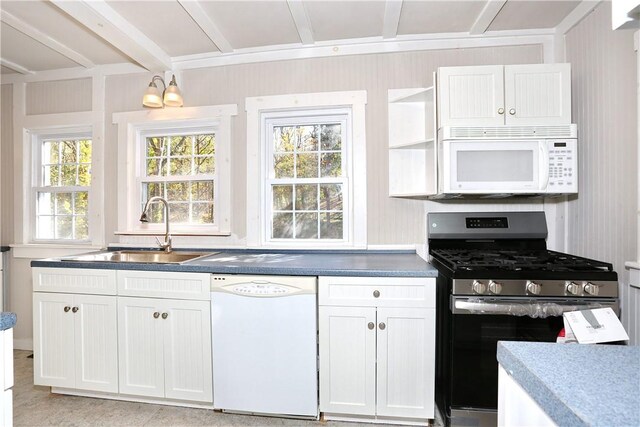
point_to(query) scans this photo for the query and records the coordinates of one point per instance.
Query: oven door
(495, 166)
(477, 324)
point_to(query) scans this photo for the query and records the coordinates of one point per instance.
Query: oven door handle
(530, 309)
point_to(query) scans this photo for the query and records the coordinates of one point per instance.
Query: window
(181, 169)
(306, 176)
(62, 184)
(306, 163)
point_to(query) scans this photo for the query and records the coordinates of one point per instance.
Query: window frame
(355, 236)
(301, 118)
(60, 134)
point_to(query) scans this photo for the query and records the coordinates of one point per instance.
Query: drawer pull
(156, 315)
(382, 326)
(75, 309)
(371, 325)
(165, 315)
(376, 294)
(66, 309)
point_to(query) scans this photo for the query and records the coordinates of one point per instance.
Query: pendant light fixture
(170, 96)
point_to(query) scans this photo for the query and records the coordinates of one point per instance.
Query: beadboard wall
(601, 220)
(6, 164)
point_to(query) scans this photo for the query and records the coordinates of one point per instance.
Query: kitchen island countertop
(295, 263)
(7, 320)
(575, 384)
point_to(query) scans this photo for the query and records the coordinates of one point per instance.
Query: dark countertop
(7, 320)
(578, 384)
(295, 263)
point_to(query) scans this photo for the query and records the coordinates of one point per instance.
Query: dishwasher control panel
(261, 289)
(263, 286)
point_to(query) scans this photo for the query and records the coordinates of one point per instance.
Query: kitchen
(604, 108)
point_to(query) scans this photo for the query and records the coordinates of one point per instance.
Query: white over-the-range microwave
(501, 161)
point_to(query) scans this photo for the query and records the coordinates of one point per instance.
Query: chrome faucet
(166, 246)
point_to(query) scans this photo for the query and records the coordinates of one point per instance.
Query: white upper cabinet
(495, 95)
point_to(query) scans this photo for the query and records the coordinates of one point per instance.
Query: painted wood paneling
(601, 220)
(59, 96)
(6, 164)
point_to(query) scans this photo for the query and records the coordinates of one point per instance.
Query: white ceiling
(43, 35)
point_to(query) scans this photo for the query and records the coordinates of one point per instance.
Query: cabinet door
(406, 362)
(187, 350)
(96, 343)
(347, 360)
(471, 96)
(140, 347)
(53, 340)
(538, 94)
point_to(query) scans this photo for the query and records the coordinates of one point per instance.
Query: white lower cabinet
(75, 344)
(377, 360)
(165, 348)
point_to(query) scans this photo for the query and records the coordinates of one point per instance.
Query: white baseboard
(23, 344)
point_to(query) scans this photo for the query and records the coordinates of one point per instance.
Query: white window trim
(133, 125)
(260, 107)
(36, 183)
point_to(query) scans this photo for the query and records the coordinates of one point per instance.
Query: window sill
(41, 250)
(173, 233)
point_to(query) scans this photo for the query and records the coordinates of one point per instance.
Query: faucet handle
(159, 242)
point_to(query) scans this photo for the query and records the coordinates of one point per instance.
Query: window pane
(180, 166)
(202, 191)
(307, 225)
(81, 199)
(205, 145)
(51, 175)
(156, 167)
(50, 152)
(282, 197)
(155, 214)
(331, 137)
(282, 225)
(331, 225)
(85, 151)
(283, 165)
(156, 146)
(331, 197)
(204, 165)
(68, 175)
(46, 204)
(64, 227)
(283, 138)
(331, 164)
(307, 197)
(152, 189)
(178, 191)
(44, 227)
(179, 212)
(306, 138)
(84, 175)
(81, 228)
(69, 152)
(307, 165)
(202, 213)
(64, 204)
(181, 146)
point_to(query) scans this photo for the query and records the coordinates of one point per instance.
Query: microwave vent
(509, 132)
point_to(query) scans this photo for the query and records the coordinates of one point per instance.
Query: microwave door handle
(544, 165)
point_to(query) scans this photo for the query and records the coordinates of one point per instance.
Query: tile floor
(36, 406)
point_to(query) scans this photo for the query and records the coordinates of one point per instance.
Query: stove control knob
(478, 287)
(495, 287)
(572, 288)
(591, 289)
(533, 287)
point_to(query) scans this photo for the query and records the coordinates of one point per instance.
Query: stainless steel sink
(145, 257)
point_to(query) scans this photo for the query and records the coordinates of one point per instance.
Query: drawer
(377, 291)
(161, 284)
(74, 280)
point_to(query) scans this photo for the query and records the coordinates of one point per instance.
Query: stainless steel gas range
(498, 282)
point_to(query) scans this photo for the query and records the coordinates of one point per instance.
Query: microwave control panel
(563, 166)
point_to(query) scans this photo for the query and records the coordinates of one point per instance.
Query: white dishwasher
(264, 338)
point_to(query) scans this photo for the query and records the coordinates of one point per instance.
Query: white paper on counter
(595, 326)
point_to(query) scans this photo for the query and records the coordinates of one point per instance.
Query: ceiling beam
(576, 15)
(486, 17)
(302, 21)
(392, 10)
(100, 18)
(46, 40)
(206, 24)
(15, 67)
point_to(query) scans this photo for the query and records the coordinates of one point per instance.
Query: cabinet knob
(156, 315)
(512, 111)
(165, 315)
(66, 309)
(382, 326)
(75, 309)
(500, 110)
(371, 325)
(376, 294)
